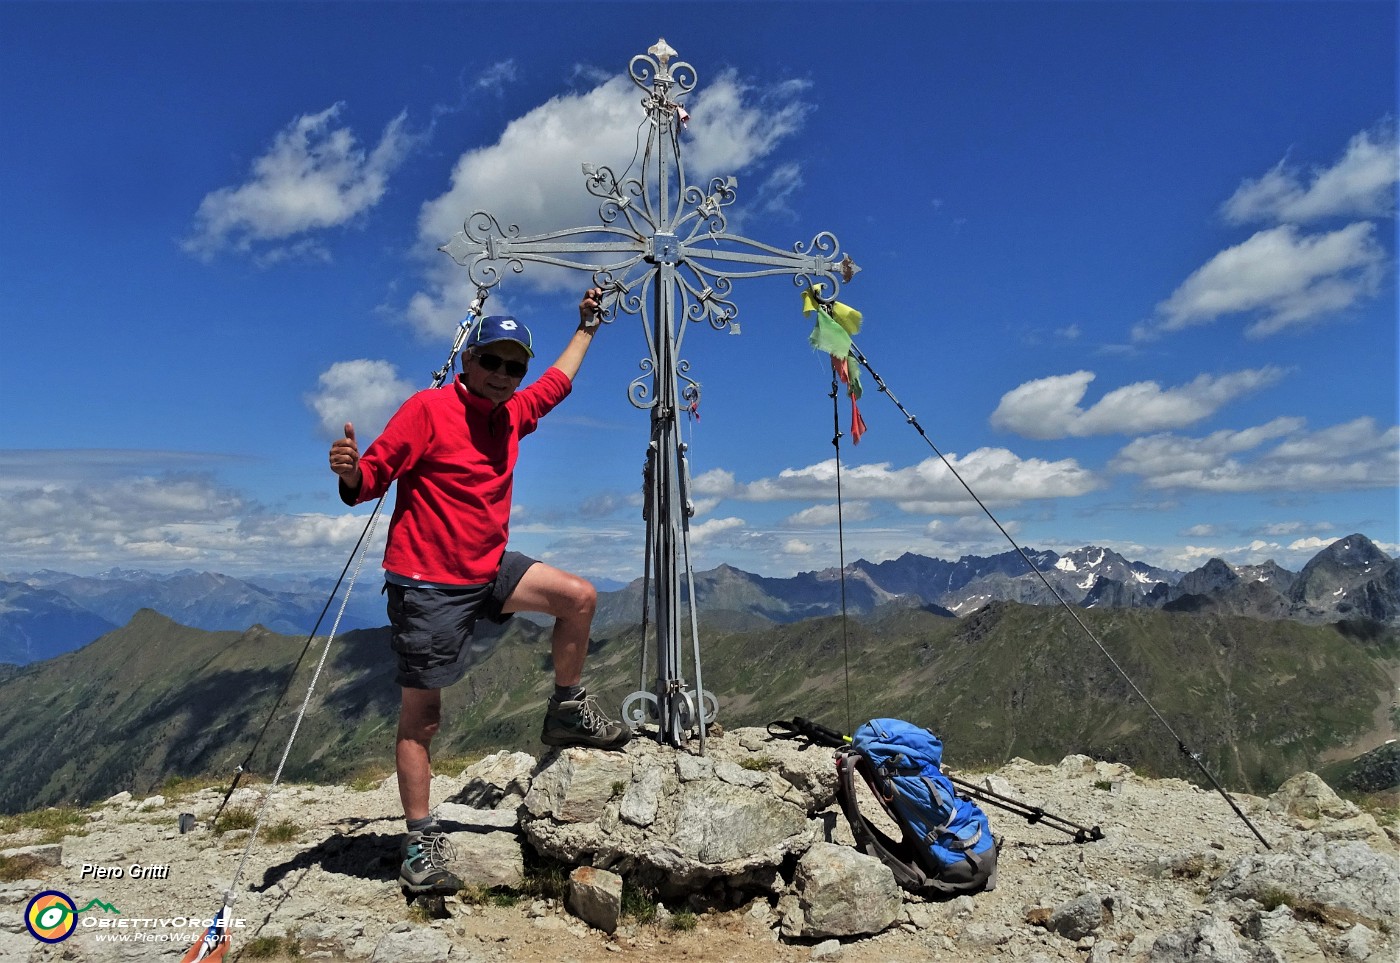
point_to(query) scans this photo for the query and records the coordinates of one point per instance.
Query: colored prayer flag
(832, 329)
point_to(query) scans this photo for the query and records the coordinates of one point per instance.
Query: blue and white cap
(500, 327)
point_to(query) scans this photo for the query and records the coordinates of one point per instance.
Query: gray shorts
(431, 626)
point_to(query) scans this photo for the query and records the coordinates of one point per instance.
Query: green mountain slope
(1258, 700)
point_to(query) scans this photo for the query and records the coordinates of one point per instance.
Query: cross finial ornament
(662, 51)
(662, 251)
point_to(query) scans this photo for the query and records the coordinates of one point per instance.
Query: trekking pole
(1032, 814)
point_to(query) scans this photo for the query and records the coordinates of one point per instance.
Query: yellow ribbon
(843, 314)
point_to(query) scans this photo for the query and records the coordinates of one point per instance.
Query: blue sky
(1132, 266)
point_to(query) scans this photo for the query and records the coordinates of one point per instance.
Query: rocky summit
(738, 854)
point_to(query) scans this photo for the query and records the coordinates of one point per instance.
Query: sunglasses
(491, 362)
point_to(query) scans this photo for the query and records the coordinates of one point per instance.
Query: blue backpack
(947, 846)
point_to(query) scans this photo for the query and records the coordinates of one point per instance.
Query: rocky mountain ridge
(736, 855)
(1350, 579)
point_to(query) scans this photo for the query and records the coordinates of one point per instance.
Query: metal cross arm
(482, 243)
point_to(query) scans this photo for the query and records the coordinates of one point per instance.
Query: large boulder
(840, 892)
(595, 896)
(1209, 940)
(485, 843)
(670, 820)
(1343, 882)
(1311, 804)
(499, 781)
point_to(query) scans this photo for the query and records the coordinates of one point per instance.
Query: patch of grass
(759, 763)
(176, 788)
(270, 947)
(618, 788)
(1104, 785)
(683, 921)
(546, 879)
(638, 903)
(235, 817)
(452, 765)
(368, 778)
(53, 823)
(281, 832)
(428, 911)
(488, 896)
(15, 868)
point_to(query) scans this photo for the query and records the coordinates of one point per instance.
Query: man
(453, 451)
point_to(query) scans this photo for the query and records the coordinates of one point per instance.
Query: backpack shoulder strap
(896, 854)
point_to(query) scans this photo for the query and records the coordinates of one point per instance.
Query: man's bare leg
(419, 716)
(572, 601)
(572, 719)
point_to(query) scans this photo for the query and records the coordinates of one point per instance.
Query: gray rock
(1209, 940)
(720, 823)
(809, 771)
(16, 945)
(456, 816)
(642, 799)
(737, 775)
(1079, 917)
(1283, 933)
(827, 950)
(595, 896)
(691, 768)
(1306, 797)
(488, 859)
(987, 935)
(842, 892)
(500, 781)
(414, 945)
(1103, 951)
(577, 785)
(45, 854)
(1312, 805)
(1346, 882)
(1356, 943)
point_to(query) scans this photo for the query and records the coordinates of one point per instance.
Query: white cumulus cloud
(1281, 277)
(829, 514)
(1360, 184)
(1278, 456)
(90, 510)
(928, 487)
(1050, 407)
(316, 175)
(363, 392)
(709, 529)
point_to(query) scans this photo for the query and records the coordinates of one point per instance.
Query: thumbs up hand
(345, 458)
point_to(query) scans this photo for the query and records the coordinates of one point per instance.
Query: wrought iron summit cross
(663, 252)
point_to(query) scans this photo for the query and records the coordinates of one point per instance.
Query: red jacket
(454, 457)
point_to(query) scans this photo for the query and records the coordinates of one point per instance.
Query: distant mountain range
(1350, 579)
(1259, 700)
(44, 614)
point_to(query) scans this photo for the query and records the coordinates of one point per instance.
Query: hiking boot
(579, 722)
(424, 869)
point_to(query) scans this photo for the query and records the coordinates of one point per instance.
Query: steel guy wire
(1181, 746)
